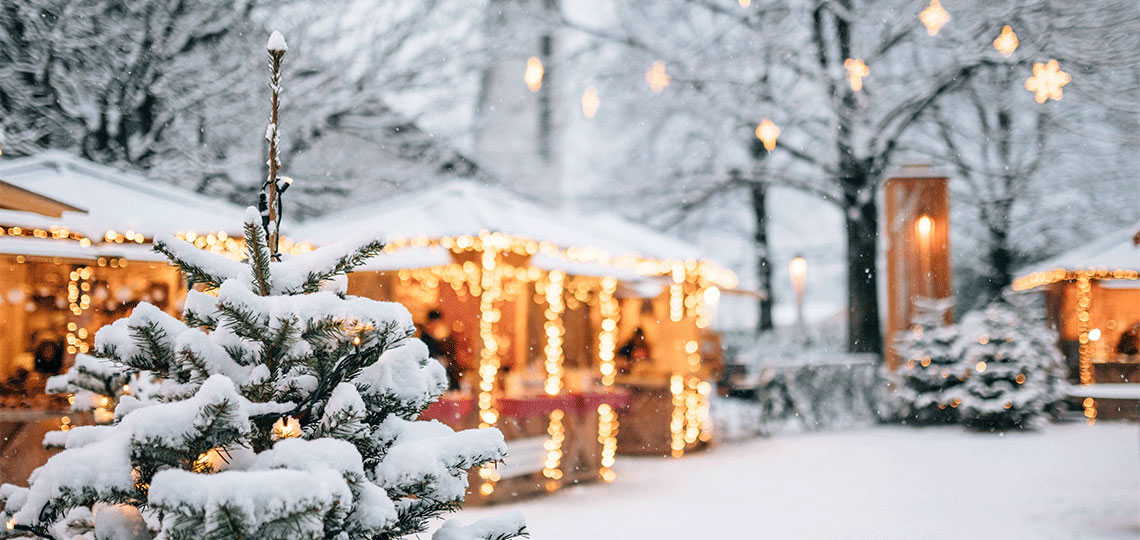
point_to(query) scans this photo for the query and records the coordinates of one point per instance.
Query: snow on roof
(467, 208)
(113, 199)
(1116, 251)
(46, 247)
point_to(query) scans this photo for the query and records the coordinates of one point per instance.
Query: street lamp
(797, 269)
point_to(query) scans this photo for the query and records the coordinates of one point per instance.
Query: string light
(607, 437)
(657, 78)
(590, 102)
(1047, 81)
(1006, 42)
(79, 301)
(768, 132)
(934, 17)
(553, 446)
(677, 420)
(676, 293)
(286, 428)
(607, 336)
(554, 332)
(533, 74)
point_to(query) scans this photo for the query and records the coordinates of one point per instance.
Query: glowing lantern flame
(657, 78)
(768, 132)
(924, 225)
(533, 75)
(1047, 81)
(590, 102)
(1006, 42)
(856, 70)
(934, 17)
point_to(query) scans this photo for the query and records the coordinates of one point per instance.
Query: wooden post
(918, 246)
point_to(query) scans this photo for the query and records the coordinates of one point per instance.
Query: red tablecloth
(618, 398)
(523, 407)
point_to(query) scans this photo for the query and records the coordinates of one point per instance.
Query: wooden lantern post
(918, 246)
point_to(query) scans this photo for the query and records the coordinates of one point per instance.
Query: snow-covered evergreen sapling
(929, 375)
(1012, 368)
(279, 407)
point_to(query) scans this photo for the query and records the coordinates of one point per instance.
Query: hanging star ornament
(1047, 81)
(934, 17)
(1006, 42)
(856, 70)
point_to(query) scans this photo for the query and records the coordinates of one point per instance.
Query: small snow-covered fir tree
(1013, 365)
(279, 407)
(929, 377)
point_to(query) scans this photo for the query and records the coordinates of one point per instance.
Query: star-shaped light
(590, 102)
(856, 70)
(1047, 81)
(533, 75)
(1006, 42)
(934, 17)
(768, 132)
(657, 78)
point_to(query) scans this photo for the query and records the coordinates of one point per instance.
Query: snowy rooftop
(1116, 251)
(467, 208)
(95, 199)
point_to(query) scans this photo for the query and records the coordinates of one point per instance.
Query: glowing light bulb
(533, 74)
(934, 17)
(590, 102)
(657, 78)
(1047, 81)
(1006, 42)
(924, 225)
(856, 70)
(768, 132)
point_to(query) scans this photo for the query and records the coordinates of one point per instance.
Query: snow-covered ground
(1065, 482)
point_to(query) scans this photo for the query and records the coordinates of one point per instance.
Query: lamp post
(797, 269)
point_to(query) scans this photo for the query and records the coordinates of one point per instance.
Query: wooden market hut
(1092, 295)
(75, 255)
(563, 328)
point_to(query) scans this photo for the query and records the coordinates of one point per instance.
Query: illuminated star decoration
(1006, 42)
(533, 75)
(934, 17)
(590, 102)
(856, 70)
(768, 132)
(657, 78)
(1047, 81)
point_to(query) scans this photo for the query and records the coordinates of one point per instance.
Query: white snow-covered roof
(111, 199)
(1116, 251)
(467, 208)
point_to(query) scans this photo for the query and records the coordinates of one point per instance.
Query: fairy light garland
(555, 331)
(607, 437)
(79, 301)
(677, 420)
(607, 336)
(553, 447)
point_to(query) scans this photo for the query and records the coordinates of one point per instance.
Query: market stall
(74, 256)
(558, 329)
(1092, 295)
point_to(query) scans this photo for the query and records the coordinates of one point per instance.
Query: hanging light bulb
(533, 75)
(768, 132)
(590, 102)
(856, 70)
(1047, 81)
(1006, 42)
(657, 78)
(934, 17)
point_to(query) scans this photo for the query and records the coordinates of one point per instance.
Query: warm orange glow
(533, 75)
(768, 132)
(744, 3)
(1006, 42)
(286, 428)
(934, 17)
(980, 367)
(590, 102)
(924, 225)
(798, 270)
(1047, 81)
(657, 78)
(856, 70)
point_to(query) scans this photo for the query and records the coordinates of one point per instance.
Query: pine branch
(343, 265)
(244, 322)
(259, 256)
(195, 274)
(156, 352)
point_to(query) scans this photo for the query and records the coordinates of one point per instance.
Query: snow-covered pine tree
(929, 376)
(1012, 368)
(279, 407)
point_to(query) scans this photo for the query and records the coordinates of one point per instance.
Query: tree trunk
(862, 221)
(759, 192)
